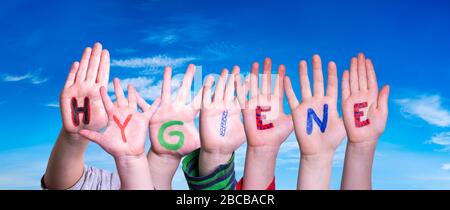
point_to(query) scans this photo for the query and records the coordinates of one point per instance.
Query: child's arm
(81, 107)
(124, 137)
(266, 125)
(365, 115)
(318, 128)
(172, 129)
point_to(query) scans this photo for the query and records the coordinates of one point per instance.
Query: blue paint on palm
(321, 123)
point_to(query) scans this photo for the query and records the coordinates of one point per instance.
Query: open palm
(81, 104)
(172, 128)
(316, 140)
(264, 107)
(221, 129)
(360, 95)
(127, 128)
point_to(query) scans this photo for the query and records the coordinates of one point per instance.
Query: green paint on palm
(180, 135)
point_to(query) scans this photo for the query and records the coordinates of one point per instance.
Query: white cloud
(158, 61)
(446, 167)
(427, 108)
(442, 139)
(52, 104)
(148, 87)
(33, 78)
(163, 38)
(220, 50)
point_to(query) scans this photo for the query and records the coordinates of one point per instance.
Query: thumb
(93, 136)
(383, 99)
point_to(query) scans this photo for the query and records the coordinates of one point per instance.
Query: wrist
(318, 161)
(73, 139)
(209, 161)
(134, 172)
(164, 159)
(259, 168)
(162, 168)
(130, 161)
(362, 147)
(315, 171)
(265, 151)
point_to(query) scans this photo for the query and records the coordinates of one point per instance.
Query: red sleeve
(270, 187)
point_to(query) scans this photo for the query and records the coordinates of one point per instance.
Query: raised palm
(127, 128)
(81, 104)
(314, 139)
(172, 128)
(271, 126)
(221, 129)
(365, 110)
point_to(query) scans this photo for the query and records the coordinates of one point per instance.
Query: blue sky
(408, 42)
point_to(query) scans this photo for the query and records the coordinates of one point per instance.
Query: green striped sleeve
(223, 178)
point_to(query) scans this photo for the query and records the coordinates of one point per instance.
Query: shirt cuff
(223, 178)
(271, 186)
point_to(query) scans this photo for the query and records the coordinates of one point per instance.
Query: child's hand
(221, 129)
(172, 128)
(124, 137)
(81, 104)
(365, 115)
(365, 111)
(318, 128)
(127, 128)
(266, 125)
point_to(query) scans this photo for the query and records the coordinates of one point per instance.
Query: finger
(304, 80)
(207, 91)
(266, 78)
(72, 73)
(240, 92)
(229, 89)
(151, 111)
(81, 73)
(354, 86)
(290, 94)
(103, 70)
(371, 77)
(132, 97)
(94, 63)
(362, 78)
(120, 96)
(254, 80)
(94, 136)
(107, 103)
(317, 76)
(185, 89)
(197, 101)
(382, 103)
(220, 87)
(279, 84)
(332, 81)
(142, 103)
(345, 85)
(166, 89)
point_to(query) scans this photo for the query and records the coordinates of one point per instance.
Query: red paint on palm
(358, 114)
(122, 126)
